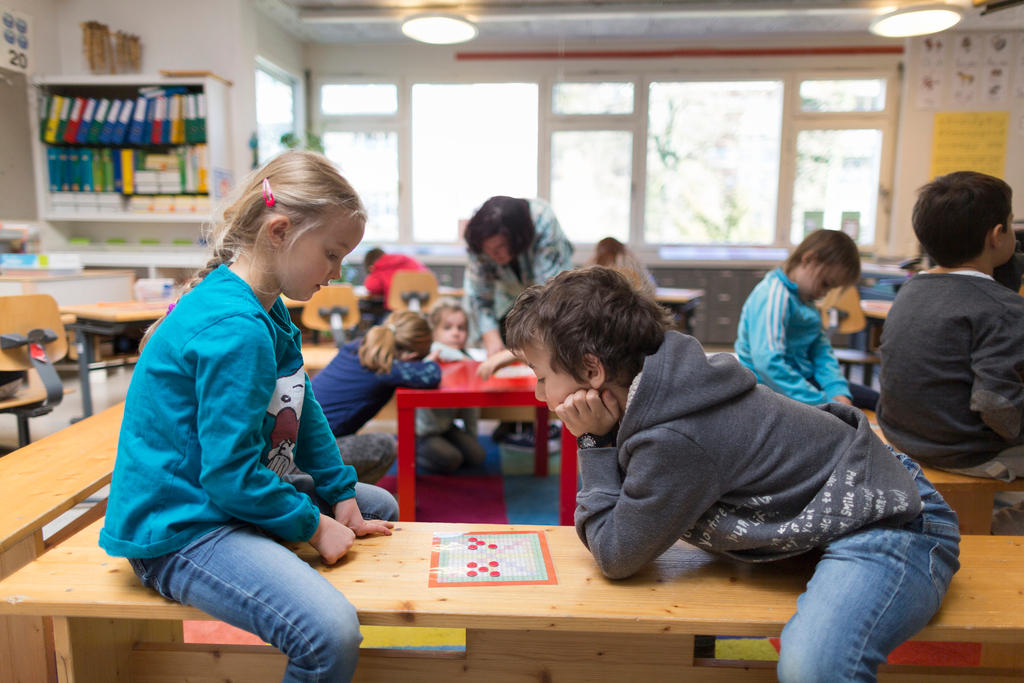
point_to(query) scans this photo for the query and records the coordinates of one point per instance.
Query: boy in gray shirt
(673, 444)
(953, 344)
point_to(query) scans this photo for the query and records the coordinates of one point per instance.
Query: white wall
(916, 128)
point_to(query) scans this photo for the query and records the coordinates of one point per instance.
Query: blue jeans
(238, 574)
(872, 590)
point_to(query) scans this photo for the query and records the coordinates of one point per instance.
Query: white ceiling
(524, 21)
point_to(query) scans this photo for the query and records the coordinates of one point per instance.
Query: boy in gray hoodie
(676, 445)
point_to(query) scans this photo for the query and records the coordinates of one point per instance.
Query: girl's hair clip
(170, 307)
(268, 194)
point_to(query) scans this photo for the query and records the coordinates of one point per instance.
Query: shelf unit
(100, 225)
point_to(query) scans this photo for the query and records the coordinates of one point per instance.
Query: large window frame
(793, 122)
(292, 81)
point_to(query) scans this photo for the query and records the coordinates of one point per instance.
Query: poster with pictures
(966, 65)
(932, 68)
(17, 29)
(997, 68)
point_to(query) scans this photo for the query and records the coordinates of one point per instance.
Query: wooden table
(681, 302)
(107, 319)
(875, 309)
(42, 481)
(108, 627)
(461, 388)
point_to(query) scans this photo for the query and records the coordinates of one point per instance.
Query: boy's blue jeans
(872, 590)
(238, 574)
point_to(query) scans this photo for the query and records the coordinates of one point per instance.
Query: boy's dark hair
(371, 257)
(832, 248)
(501, 215)
(954, 212)
(591, 310)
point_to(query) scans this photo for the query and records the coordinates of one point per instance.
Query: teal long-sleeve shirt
(218, 407)
(780, 338)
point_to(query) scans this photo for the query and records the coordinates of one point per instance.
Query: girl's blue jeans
(872, 590)
(238, 574)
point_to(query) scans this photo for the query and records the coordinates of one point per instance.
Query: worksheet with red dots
(510, 558)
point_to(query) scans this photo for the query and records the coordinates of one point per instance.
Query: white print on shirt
(286, 407)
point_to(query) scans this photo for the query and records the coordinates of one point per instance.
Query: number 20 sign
(17, 41)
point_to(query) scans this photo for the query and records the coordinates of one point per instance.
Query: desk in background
(72, 289)
(461, 388)
(108, 319)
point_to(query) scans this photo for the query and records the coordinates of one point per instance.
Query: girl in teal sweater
(224, 451)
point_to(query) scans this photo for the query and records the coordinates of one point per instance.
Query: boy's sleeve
(997, 362)
(827, 372)
(317, 453)
(552, 251)
(235, 366)
(628, 519)
(767, 334)
(479, 294)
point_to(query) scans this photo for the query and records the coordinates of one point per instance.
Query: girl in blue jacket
(780, 336)
(224, 451)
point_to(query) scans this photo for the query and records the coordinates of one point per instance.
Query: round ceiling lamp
(917, 20)
(439, 29)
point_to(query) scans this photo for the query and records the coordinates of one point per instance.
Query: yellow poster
(970, 141)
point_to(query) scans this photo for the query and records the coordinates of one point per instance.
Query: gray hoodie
(706, 454)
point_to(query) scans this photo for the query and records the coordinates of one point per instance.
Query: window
(713, 162)
(352, 99)
(836, 183)
(677, 159)
(470, 141)
(361, 137)
(592, 98)
(369, 161)
(275, 109)
(840, 157)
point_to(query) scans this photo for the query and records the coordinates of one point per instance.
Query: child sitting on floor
(442, 446)
(953, 342)
(675, 444)
(362, 378)
(780, 335)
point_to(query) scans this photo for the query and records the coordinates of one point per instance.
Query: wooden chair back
(316, 312)
(26, 312)
(841, 312)
(414, 290)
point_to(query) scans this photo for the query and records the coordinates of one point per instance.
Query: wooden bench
(42, 481)
(971, 497)
(584, 628)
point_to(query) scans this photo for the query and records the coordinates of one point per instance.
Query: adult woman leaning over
(512, 243)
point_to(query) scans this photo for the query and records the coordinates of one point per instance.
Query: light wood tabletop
(874, 308)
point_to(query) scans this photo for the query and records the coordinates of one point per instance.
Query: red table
(461, 388)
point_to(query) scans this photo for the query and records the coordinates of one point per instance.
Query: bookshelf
(149, 176)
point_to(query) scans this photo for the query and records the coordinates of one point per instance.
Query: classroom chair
(333, 309)
(32, 339)
(841, 314)
(412, 290)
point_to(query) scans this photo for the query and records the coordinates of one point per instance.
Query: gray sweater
(952, 355)
(705, 454)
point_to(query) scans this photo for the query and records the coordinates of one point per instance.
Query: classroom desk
(107, 319)
(875, 309)
(461, 388)
(681, 302)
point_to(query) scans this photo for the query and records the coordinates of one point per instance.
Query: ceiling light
(917, 20)
(439, 29)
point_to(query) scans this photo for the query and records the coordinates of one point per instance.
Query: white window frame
(280, 74)
(793, 121)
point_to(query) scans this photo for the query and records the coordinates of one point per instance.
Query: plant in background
(311, 141)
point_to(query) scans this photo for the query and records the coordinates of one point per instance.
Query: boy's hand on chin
(589, 410)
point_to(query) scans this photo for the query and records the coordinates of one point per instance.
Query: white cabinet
(132, 190)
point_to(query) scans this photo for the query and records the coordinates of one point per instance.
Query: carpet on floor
(492, 494)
